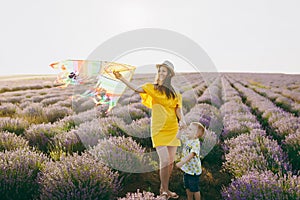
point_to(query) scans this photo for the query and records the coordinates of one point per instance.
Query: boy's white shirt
(191, 145)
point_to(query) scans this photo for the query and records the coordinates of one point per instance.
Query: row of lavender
(284, 96)
(282, 125)
(286, 85)
(275, 95)
(259, 165)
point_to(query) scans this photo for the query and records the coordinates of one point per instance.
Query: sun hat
(169, 65)
(199, 125)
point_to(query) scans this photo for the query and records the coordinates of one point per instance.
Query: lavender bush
(10, 141)
(292, 146)
(55, 113)
(72, 121)
(285, 126)
(189, 99)
(212, 94)
(254, 151)
(237, 117)
(200, 89)
(13, 125)
(67, 142)
(123, 154)
(141, 107)
(209, 141)
(112, 125)
(263, 185)
(64, 103)
(18, 173)
(34, 113)
(82, 104)
(24, 104)
(11, 99)
(5, 89)
(134, 98)
(276, 95)
(231, 107)
(37, 99)
(238, 123)
(206, 114)
(140, 130)
(8, 109)
(78, 177)
(228, 93)
(283, 123)
(90, 132)
(53, 100)
(128, 113)
(40, 135)
(141, 196)
(293, 94)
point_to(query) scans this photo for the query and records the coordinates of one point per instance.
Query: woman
(166, 117)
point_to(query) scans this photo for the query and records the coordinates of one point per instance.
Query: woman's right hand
(117, 74)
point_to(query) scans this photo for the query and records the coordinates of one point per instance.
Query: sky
(237, 35)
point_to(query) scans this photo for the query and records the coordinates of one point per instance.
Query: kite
(70, 70)
(96, 77)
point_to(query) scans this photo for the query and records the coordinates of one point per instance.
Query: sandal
(173, 195)
(165, 195)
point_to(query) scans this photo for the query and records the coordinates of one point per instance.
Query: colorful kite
(107, 89)
(75, 72)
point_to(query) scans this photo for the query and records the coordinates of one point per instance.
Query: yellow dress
(164, 125)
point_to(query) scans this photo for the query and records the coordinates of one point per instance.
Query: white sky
(238, 35)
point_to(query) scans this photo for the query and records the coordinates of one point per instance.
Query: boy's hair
(199, 126)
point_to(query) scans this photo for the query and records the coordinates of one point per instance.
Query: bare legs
(163, 155)
(190, 195)
(172, 153)
(166, 156)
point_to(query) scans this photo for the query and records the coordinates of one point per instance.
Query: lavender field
(53, 146)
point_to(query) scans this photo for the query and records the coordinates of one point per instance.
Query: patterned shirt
(193, 166)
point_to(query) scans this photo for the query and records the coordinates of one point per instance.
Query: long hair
(166, 88)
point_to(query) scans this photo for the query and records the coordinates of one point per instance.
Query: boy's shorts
(191, 182)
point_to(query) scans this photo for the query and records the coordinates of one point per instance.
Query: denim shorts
(191, 182)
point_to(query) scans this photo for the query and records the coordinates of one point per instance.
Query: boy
(190, 164)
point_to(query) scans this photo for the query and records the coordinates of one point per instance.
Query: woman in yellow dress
(166, 118)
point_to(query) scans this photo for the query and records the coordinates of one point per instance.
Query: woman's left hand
(182, 124)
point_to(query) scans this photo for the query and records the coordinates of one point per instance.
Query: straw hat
(168, 65)
(199, 125)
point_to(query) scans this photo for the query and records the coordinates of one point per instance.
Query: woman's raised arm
(132, 86)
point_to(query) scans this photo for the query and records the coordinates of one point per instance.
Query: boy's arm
(185, 159)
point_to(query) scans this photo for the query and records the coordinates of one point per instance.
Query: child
(190, 163)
